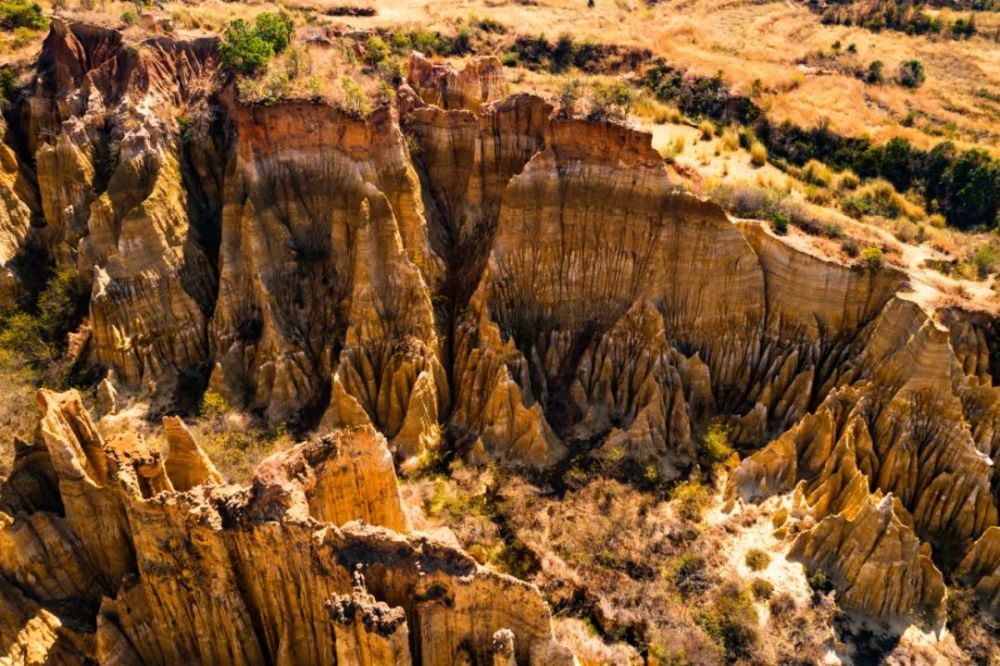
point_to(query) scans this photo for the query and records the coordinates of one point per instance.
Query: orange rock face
(313, 562)
(459, 268)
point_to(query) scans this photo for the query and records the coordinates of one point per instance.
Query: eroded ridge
(462, 267)
(313, 562)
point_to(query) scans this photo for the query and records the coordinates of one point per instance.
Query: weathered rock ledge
(461, 261)
(104, 559)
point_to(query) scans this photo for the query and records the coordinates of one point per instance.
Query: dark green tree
(243, 50)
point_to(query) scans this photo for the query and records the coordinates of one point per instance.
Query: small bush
(715, 447)
(569, 94)
(758, 154)
(19, 14)
(782, 605)
(611, 101)
(129, 18)
(847, 180)
(355, 98)
(510, 59)
(911, 73)
(247, 49)
(819, 582)
(23, 37)
(706, 130)
(731, 621)
(757, 559)
(689, 573)
(872, 257)
(730, 140)
(762, 589)
(986, 259)
(879, 197)
(780, 223)
(874, 73)
(691, 499)
(213, 404)
(817, 173)
(275, 29)
(376, 51)
(243, 50)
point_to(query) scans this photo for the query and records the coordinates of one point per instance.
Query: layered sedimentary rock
(479, 82)
(102, 124)
(890, 461)
(460, 261)
(311, 563)
(325, 273)
(19, 208)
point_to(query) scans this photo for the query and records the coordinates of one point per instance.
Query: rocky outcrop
(19, 209)
(103, 127)
(311, 563)
(186, 464)
(459, 268)
(981, 567)
(328, 284)
(480, 82)
(889, 466)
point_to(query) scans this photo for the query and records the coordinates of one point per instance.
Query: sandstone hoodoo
(464, 277)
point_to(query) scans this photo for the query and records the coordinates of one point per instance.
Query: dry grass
(624, 568)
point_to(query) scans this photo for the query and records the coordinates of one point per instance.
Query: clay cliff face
(313, 562)
(462, 262)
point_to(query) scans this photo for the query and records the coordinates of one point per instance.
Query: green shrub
(611, 101)
(356, 99)
(19, 332)
(569, 94)
(429, 43)
(715, 447)
(819, 582)
(911, 73)
(213, 404)
(757, 559)
(375, 51)
(275, 29)
(20, 14)
(847, 180)
(966, 185)
(872, 257)
(244, 50)
(23, 37)
(817, 173)
(780, 223)
(691, 499)
(986, 259)
(61, 305)
(874, 74)
(129, 18)
(43, 330)
(762, 589)
(879, 198)
(782, 605)
(731, 621)
(688, 573)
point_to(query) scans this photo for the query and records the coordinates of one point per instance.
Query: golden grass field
(782, 44)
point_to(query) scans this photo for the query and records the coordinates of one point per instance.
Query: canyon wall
(313, 562)
(460, 268)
